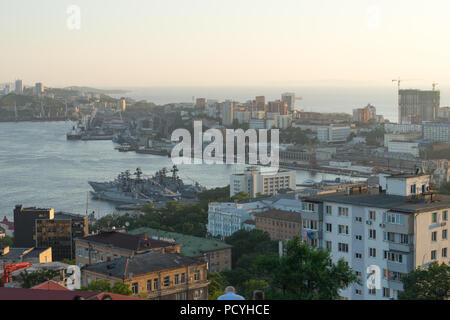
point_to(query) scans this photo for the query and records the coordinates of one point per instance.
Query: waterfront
(39, 167)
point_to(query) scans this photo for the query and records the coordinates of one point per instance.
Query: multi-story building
(107, 246)
(224, 219)
(436, 132)
(260, 103)
(18, 87)
(281, 225)
(280, 107)
(407, 147)
(39, 89)
(255, 181)
(403, 128)
(161, 276)
(394, 231)
(361, 115)
(60, 232)
(332, 134)
(200, 103)
(25, 224)
(215, 252)
(416, 106)
(227, 113)
(289, 97)
(8, 227)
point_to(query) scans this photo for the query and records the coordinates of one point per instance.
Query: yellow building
(161, 276)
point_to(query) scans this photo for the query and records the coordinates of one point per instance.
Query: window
(329, 210)
(149, 285)
(166, 281)
(445, 215)
(372, 234)
(177, 279)
(156, 284)
(343, 247)
(343, 212)
(135, 288)
(433, 255)
(183, 277)
(444, 252)
(358, 292)
(434, 217)
(197, 275)
(373, 291)
(413, 189)
(373, 252)
(358, 237)
(358, 255)
(343, 229)
(404, 239)
(329, 227)
(386, 292)
(86, 253)
(372, 215)
(395, 257)
(394, 218)
(434, 236)
(358, 219)
(80, 252)
(329, 245)
(444, 234)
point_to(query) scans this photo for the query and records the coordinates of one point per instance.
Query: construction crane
(399, 81)
(8, 269)
(434, 85)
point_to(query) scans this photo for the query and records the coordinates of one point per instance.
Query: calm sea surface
(39, 167)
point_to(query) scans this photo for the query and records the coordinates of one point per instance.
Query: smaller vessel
(74, 134)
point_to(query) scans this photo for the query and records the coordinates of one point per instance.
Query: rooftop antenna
(434, 85)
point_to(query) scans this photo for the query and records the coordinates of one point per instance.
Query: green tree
(304, 273)
(217, 286)
(251, 285)
(31, 279)
(432, 283)
(7, 242)
(240, 196)
(445, 188)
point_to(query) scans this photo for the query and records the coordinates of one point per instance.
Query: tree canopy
(432, 283)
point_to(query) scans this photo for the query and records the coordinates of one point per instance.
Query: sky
(140, 43)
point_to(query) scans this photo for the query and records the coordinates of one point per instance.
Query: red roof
(50, 285)
(39, 294)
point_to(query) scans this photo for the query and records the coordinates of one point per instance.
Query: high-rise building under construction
(416, 106)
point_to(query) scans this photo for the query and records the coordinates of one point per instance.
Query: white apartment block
(224, 219)
(437, 132)
(402, 128)
(411, 148)
(397, 230)
(256, 181)
(332, 134)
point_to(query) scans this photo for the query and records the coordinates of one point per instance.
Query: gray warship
(138, 189)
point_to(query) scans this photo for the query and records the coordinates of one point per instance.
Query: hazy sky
(225, 42)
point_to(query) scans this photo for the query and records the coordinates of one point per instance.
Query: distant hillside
(12, 98)
(94, 90)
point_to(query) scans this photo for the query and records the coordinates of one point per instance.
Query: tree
(217, 286)
(432, 283)
(7, 242)
(445, 188)
(251, 286)
(31, 279)
(304, 273)
(240, 196)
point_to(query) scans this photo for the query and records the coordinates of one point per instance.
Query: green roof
(190, 246)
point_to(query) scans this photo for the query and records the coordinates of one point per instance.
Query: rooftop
(142, 264)
(385, 201)
(134, 242)
(191, 246)
(280, 215)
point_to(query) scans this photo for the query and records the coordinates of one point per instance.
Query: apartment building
(224, 219)
(333, 134)
(256, 181)
(279, 224)
(60, 232)
(18, 255)
(396, 230)
(107, 246)
(216, 253)
(416, 106)
(436, 132)
(161, 276)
